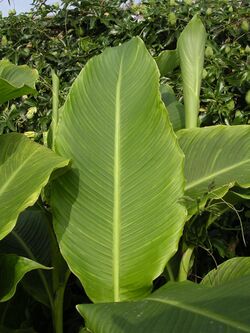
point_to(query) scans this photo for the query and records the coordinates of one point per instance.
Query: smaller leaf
(12, 270)
(228, 271)
(30, 238)
(167, 61)
(177, 308)
(16, 81)
(25, 168)
(216, 159)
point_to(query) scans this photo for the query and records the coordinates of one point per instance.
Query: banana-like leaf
(167, 61)
(30, 238)
(116, 212)
(25, 168)
(191, 46)
(228, 271)
(177, 308)
(175, 108)
(16, 81)
(12, 270)
(216, 158)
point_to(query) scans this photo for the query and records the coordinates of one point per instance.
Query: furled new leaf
(12, 270)
(228, 271)
(174, 107)
(116, 212)
(216, 158)
(16, 81)
(25, 168)
(191, 46)
(167, 61)
(177, 308)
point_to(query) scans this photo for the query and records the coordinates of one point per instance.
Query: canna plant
(119, 211)
(122, 203)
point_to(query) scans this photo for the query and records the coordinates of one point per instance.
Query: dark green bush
(65, 38)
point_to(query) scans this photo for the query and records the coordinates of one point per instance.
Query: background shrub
(64, 38)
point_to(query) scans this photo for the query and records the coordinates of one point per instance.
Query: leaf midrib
(204, 312)
(117, 194)
(214, 174)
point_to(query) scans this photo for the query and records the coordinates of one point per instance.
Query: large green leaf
(16, 81)
(167, 61)
(116, 212)
(25, 168)
(174, 107)
(191, 46)
(216, 158)
(228, 271)
(12, 270)
(177, 308)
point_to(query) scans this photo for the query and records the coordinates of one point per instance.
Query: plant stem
(60, 276)
(170, 272)
(55, 104)
(58, 305)
(184, 264)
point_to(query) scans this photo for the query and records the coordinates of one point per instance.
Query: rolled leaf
(228, 271)
(177, 308)
(216, 158)
(16, 81)
(167, 61)
(116, 213)
(174, 107)
(12, 270)
(191, 46)
(25, 168)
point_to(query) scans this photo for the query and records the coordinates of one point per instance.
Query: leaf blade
(110, 180)
(217, 157)
(177, 308)
(13, 268)
(16, 81)
(227, 271)
(22, 160)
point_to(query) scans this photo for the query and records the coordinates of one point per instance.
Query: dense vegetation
(58, 38)
(64, 39)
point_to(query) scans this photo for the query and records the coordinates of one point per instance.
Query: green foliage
(13, 268)
(21, 160)
(126, 173)
(230, 270)
(177, 308)
(190, 46)
(119, 210)
(221, 162)
(65, 38)
(16, 81)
